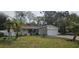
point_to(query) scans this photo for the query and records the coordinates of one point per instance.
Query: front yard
(39, 42)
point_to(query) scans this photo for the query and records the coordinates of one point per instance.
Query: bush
(1, 34)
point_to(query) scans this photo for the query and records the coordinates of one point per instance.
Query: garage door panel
(52, 32)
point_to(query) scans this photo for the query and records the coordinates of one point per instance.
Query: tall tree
(20, 20)
(49, 16)
(57, 18)
(30, 16)
(9, 26)
(17, 25)
(40, 20)
(20, 15)
(61, 22)
(74, 25)
(3, 19)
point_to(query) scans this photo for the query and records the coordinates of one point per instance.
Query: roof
(38, 27)
(51, 27)
(30, 27)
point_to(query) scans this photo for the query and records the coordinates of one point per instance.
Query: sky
(37, 13)
(12, 13)
(77, 12)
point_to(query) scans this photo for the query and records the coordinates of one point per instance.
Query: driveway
(68, 36)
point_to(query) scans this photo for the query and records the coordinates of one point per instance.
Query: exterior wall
(49, 30)
(12, 33)
(52, 32)
(40, 31)
(4, 31)
(25, 32)
(43, 31)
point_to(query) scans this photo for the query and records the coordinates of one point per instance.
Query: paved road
(68, 36)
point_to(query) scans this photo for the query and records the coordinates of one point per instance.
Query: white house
(48, 30)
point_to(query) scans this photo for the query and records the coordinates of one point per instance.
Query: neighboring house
(5, 32)
(48, 30)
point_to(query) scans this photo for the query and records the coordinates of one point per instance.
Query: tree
(62, 21)
(3, 19)
(74, 25)
(14, 25)
(20, 20)
(17, 25)
(40, 20)
(30, 16)
(20, 15)
(49, 17)
(8, 26)
(57, 18)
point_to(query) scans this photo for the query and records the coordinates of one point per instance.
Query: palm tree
(8, 27)
(17, 26)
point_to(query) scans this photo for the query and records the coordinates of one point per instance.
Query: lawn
(39, 42)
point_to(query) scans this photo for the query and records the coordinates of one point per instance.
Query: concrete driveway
(68, 36)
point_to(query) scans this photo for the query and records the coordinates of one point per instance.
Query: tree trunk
(9, 34)
(74, 38)
(16, 35)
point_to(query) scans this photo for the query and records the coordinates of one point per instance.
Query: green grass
(38, 42)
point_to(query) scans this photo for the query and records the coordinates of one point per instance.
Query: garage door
(52, 32)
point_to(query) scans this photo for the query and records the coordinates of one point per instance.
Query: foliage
(14, 25)
(9, 26)
(3, 19)
(30, 16)
(49, 17)
(74, 25)
(1, 34)
(62, 21)
(20, 15)
(40, 20)
(17, 25)
(23, 15)
(57, 18)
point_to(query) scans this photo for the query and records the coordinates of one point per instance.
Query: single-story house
(40, 30)
(48, 30)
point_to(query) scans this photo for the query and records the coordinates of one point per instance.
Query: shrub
(1, 34)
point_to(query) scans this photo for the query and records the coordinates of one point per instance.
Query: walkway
(68, 36)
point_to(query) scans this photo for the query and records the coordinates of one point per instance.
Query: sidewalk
(68, 36)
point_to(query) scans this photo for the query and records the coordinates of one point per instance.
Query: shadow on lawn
(76, 41)
(6, 40)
